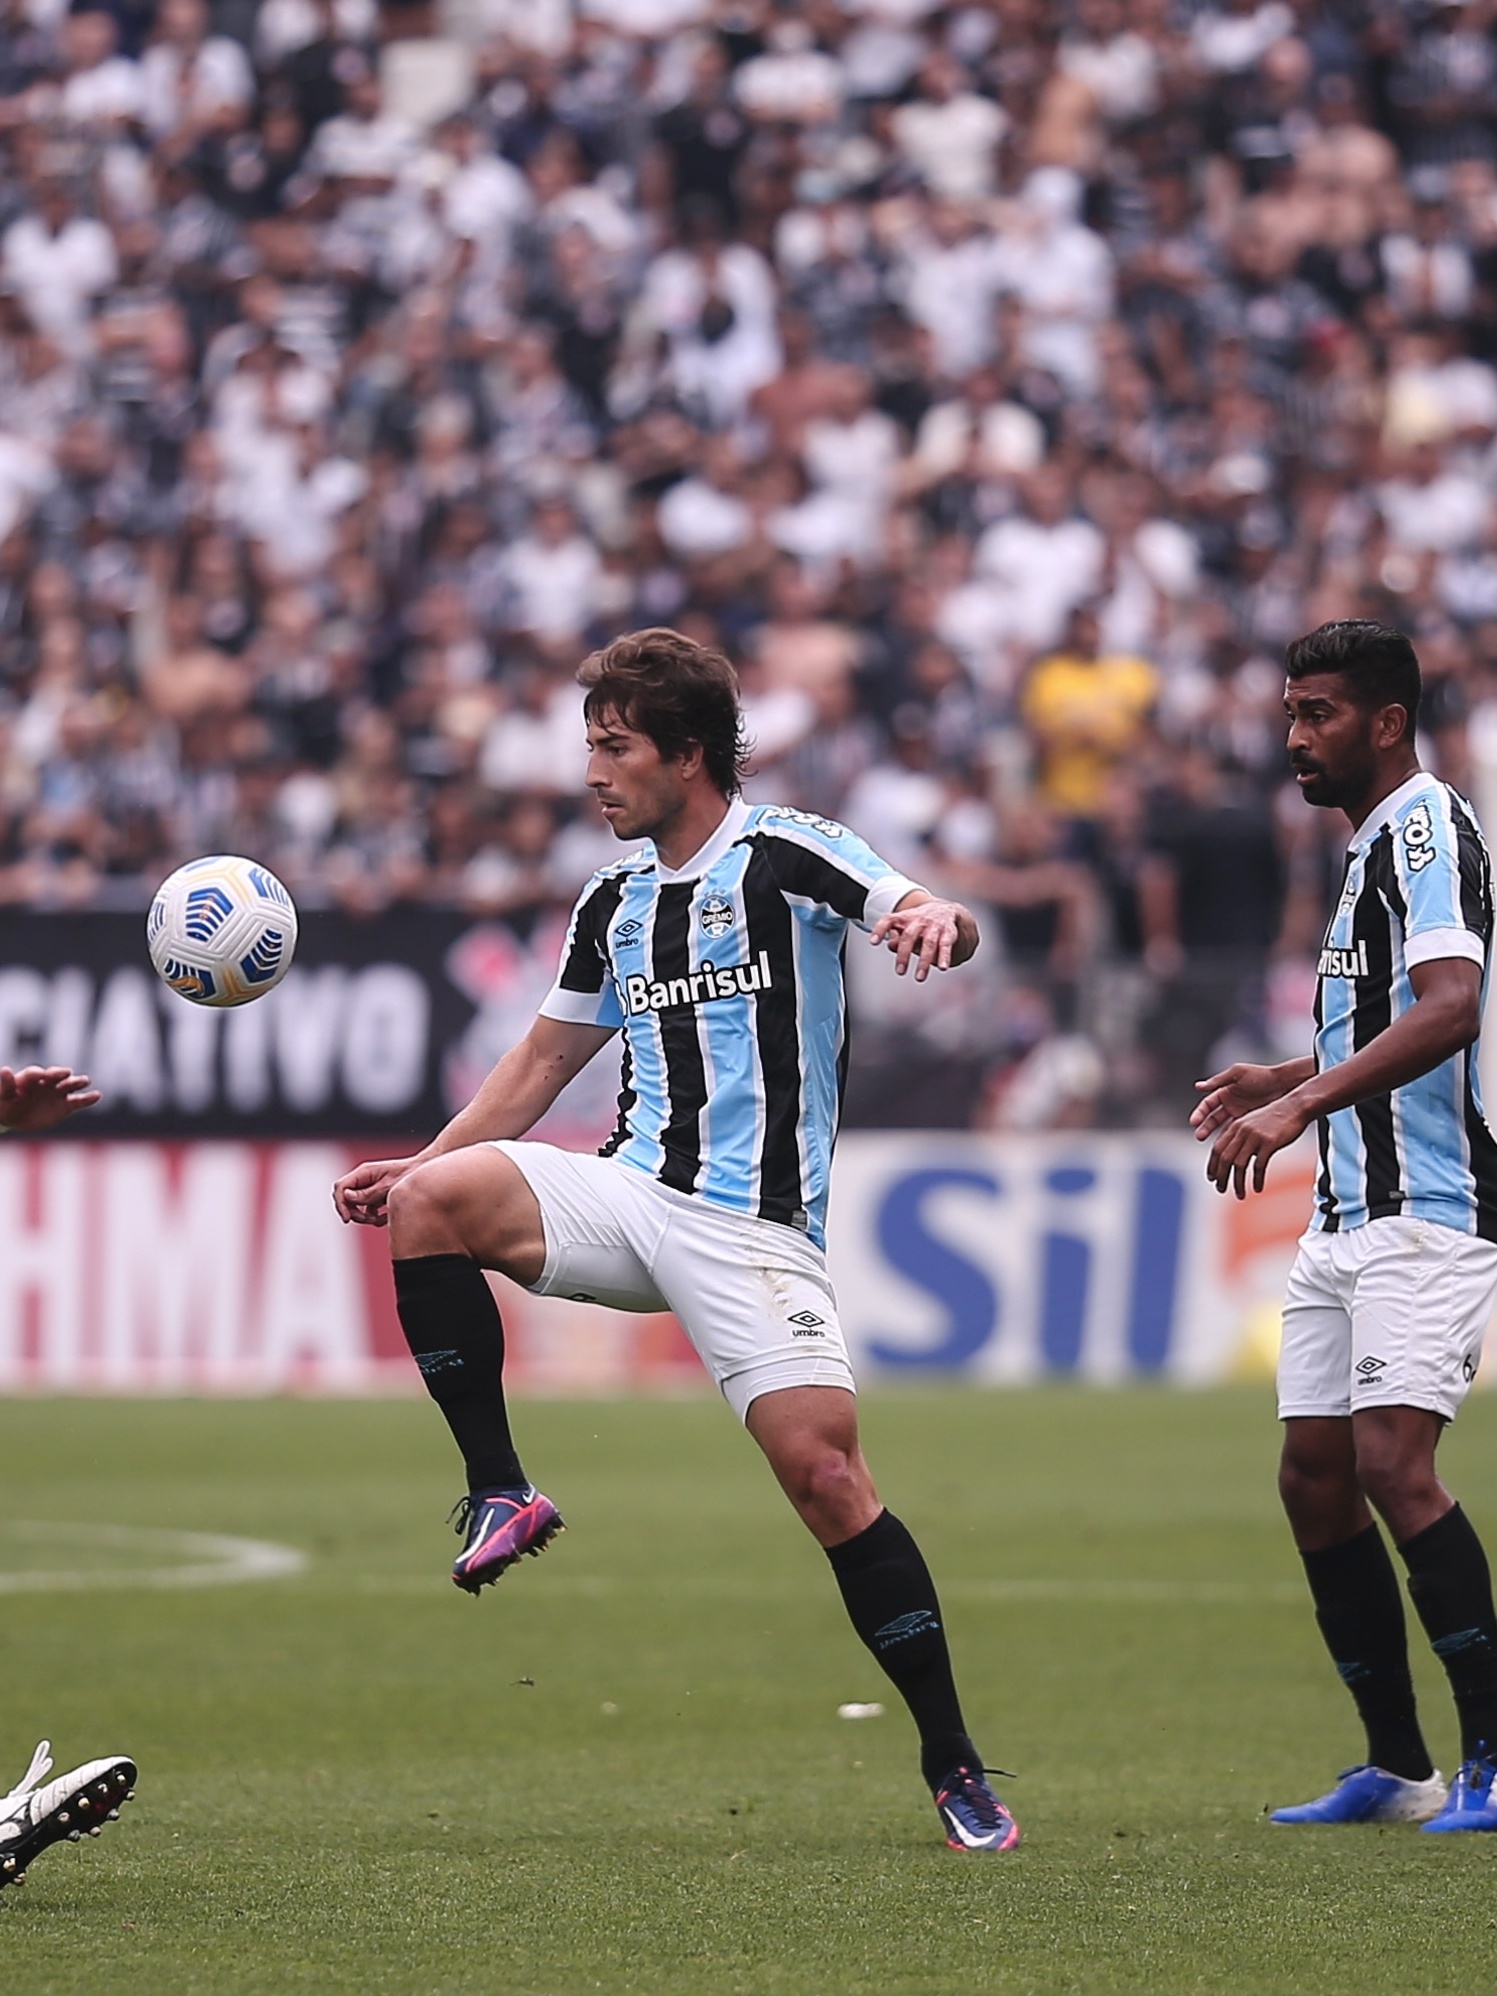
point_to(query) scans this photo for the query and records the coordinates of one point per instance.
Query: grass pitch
(623, 1769)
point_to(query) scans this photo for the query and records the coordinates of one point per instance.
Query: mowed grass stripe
(623, 1769)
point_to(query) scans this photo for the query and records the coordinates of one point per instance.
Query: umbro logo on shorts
(1369, 1368)
(807, 1324)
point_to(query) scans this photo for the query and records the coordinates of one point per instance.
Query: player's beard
(1335, 791)
(1318, 788)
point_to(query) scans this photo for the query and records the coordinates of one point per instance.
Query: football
(221, 930)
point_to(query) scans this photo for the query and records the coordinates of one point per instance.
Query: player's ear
(1392, 726)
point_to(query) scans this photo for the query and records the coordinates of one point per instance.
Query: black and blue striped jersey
(726, 978)
(1417, 888)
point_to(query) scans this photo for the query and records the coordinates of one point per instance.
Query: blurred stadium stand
(1002, 383)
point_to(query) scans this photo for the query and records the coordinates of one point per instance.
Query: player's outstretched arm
(928, 932)
(35, 1098)
(515, 1094)
(1241, 1087)
(1443, 1020)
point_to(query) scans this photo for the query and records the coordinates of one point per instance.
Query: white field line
(204, 1559)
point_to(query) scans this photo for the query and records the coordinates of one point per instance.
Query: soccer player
(1394, 1282)
(716, 949)
(37, 1812)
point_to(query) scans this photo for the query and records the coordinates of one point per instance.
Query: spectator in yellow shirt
(1086, 710)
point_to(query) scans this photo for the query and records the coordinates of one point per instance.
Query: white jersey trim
(885, 895)
(1438, 945)
(575, 1008)
(711, 851)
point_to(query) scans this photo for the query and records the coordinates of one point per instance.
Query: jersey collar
(708, 855)
(1389, 809)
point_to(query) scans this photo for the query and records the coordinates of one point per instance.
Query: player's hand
(362, 1196)
(37, 1097)
(1247, 1143)
(933, 935)
(1234, 1092)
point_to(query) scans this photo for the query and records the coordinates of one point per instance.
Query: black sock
(1451, 1589)
(451, 1323)
(1360, 1612)
(891, 1599)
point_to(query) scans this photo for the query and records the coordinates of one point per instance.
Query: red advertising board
(222, 1268)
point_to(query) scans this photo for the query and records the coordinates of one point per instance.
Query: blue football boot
(971, 1814)
(1472, 1804)
(1369, 1795)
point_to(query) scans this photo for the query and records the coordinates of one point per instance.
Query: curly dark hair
(680, 694)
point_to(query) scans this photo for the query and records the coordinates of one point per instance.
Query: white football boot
(34, 1816)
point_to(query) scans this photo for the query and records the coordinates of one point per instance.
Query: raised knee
(417, 1213)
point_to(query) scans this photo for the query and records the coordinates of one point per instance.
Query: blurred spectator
(1086, 710)
(1002, 385)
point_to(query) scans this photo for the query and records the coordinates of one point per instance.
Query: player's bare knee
(1300, 1490)
(1393, 1476)
(1317, 1488)
(831, 1488)
(1304, 1475)
(420, 1217)
(829, 1473)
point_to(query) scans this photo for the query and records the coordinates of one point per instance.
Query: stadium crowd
(1002, 383)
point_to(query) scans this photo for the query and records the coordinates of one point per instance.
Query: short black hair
(679, 693)
(1378, 663)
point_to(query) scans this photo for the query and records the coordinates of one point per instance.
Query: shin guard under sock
(1451, 1588)
(1360, 1612)
(452, 1325)
(892, 1602)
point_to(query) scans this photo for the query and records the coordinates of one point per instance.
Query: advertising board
(220, 1266)
(383, 1027)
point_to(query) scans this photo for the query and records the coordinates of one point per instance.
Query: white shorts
(1391, 1314)
(754, 1297)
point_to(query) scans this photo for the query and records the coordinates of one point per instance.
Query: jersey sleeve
(584, 993)
(823, 865)
(1444, 876)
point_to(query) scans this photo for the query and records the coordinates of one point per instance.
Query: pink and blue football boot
(971, 1814)
(501, 1526)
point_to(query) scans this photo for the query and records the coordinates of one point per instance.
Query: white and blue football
(221, 930)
